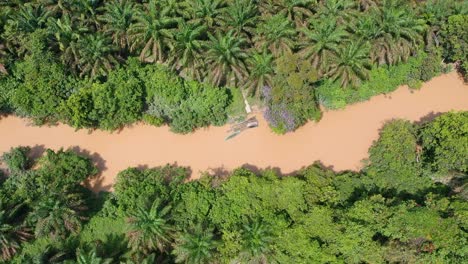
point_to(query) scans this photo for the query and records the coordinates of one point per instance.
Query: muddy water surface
(340, 140)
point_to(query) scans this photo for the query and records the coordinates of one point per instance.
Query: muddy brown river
(340, 140)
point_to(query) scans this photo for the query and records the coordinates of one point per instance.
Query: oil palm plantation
(187, 49)
(351, 64)
(152, 33)
(149, 230)
(277, 34)
(226, 59)
(322, 42)
(118, 16)
(195, 247)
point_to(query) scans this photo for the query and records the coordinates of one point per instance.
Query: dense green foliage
(391, 212)
(456, 39)
(395, 162)
(445, 142)
(74, 61)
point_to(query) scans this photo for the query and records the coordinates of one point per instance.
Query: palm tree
(297, 10)
(118, 17)
(177, 9)
(400, 33)
(435, 13)
(11, 235)
(277, 34)
(56, 218)
(3, 53)
(261, 72)
(57, 7)
(24, 21)
(152, 33)
(187, 48)
(255, 246)
(29, 18)
(95, 55)
(368, 4)
(226, 58)
(322, 42)
(241, 16)
(87, 12)
(206, 11)
(66, 35)
(195, 248)
(351, 64)
(53, 253)
(339, 10)
(149, 229)
(90, 257)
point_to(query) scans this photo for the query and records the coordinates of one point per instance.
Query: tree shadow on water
(36, 152)
(428, 118)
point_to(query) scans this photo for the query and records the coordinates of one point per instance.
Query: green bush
(291, 102)
(139, 188)
(17, 159)
(445, 142)
(184, 105)
(431, 66)
(455, 39)
(395, 163)
(42, 86)
(7, 89)
(109, 105)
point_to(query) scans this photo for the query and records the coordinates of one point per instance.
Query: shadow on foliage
(94, 182)
(168, 177)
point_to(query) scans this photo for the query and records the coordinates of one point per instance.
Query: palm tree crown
(153, 32)
(195, 248)
(226, 58)
(149, 229)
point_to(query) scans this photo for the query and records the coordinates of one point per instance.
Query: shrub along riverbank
(76, 62)
(408, 205)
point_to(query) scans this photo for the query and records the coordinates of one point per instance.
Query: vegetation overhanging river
(340, 140)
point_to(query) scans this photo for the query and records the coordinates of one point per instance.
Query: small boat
(235, 133)
(249, 123)
(252, 124)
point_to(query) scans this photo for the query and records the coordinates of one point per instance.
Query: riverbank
(340, 140)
